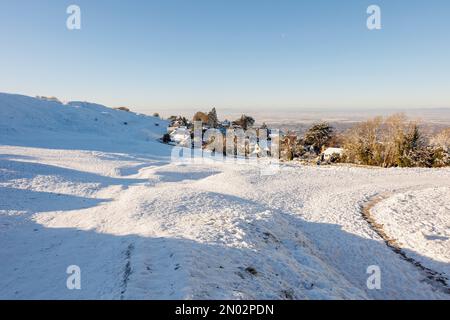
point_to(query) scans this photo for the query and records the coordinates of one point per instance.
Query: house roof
(331, 151)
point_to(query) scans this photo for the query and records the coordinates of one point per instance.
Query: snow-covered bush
(442, 139)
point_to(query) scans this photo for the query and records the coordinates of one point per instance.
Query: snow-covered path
(419, 222)
(141, 227)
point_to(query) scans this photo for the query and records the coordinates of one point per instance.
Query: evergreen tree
(412, 150)
(318, 136)
(213, 122)
(245, 122)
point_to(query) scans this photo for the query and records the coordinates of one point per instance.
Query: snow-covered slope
(81, 125)
(420, 222)
(105, 196)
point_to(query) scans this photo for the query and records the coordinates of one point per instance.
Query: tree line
(392, 141)
(395, 141)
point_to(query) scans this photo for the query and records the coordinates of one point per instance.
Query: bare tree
(361, 143)
(442, 139)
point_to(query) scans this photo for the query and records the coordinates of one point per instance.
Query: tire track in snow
(435, 279)
(127, 270)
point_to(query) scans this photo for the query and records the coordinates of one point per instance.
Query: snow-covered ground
(420, 222)
(78, 186)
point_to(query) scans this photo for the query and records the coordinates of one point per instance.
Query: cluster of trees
(51, 99)
(182, 121)
(211, 120)
(311, 144)
(394, 142)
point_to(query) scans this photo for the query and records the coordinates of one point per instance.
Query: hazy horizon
(278, 116)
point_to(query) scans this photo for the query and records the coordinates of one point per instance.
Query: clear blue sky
(238, 54)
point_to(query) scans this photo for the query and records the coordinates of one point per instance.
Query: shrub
(123, 109)
(166, 138)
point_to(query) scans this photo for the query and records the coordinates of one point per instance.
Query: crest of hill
(27, 119)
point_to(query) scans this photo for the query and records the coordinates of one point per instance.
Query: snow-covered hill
(81, 125)
(80, 187)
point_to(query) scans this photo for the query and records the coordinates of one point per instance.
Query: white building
(180, 135)
(330, 152)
